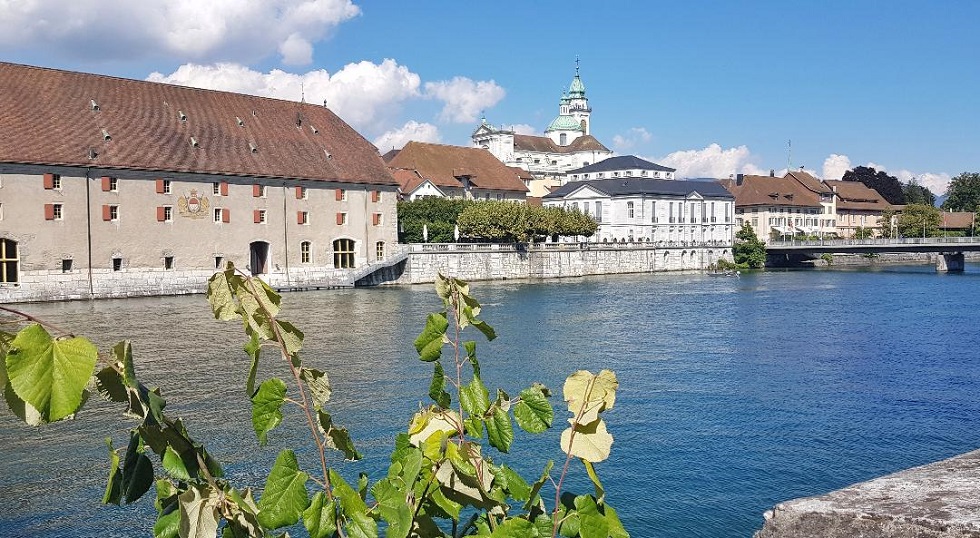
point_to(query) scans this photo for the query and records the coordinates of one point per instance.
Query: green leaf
(110, 385)
(252, 348)
(394, 508)
(198, 512)
(515, 528)
(475, 397)
(600, 492)
(500, 432)
(167, 525)
(50, 374)
(267, 407)
(449, 506)
(292, 338)
(137, 471)
(284, 497)
(536, 487)
(114, 483)
(437, 388)
(592, 524)
(360, 524)
(319, 386)
(533, 411)
(221, 298)
(319, 518)
(486, 329)
(174, 465)
(591, 442)
(337, 438)
(616, 529)
(24, 411)
(5, 339)
(516, 485)
(429, 343)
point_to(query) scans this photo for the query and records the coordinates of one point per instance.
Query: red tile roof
(809, 181)
(856, 196)
(958, 220)
(771, 191)
(443, 164)
(543, 144)
(53, 117)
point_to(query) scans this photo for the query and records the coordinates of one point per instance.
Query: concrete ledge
(938, 500)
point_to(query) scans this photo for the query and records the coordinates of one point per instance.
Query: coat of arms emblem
(193, 205)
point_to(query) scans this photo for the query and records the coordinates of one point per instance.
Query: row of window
(165, 186)
(625, 173)
(110, 213)
(343, 258)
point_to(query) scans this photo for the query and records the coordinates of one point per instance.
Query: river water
(735, 393)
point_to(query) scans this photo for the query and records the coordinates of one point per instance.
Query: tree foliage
(887, 186)
(917, 220)
(437, 214)
(510, 222)
(748, 251)
(918, 194)
(442, 480)
(963, 193)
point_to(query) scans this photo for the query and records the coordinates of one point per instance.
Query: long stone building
(112, 187)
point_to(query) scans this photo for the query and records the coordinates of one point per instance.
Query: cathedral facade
(567, 143)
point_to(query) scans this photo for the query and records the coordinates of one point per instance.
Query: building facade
(778, 207)
(630, 208)
(567, 142)
(112, 187)
(858, 206)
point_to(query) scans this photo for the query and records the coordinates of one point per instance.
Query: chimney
(739, 178)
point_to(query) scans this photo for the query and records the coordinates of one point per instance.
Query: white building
(566, 145)
(622, 166)
(664, 211)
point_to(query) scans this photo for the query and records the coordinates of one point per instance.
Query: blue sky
(711, 88)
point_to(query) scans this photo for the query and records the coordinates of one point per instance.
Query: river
(735, 393)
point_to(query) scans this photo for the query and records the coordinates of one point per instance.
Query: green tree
(963, 193)
(863, 232)
(917, 220)
(749, 251)
(510, 222)
(918, 194)
(885, 223)
(887, 186)
(437, 215)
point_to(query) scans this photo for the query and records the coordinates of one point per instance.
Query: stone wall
(939, 500)
(502, 262)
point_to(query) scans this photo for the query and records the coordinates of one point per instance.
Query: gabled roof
(640, 186)
(771, 191)
(522, 174)
(444, 165)
(543, 144)
(856, 196)
(809, 181)
(623, 162)
(960, 220)
(408, 180)
(389, 155)
(63, 118)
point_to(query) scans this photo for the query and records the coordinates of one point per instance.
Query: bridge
(949, 250)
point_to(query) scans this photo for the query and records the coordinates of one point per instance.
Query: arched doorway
(258, 257)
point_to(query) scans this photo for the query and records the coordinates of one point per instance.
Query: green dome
(564, 123)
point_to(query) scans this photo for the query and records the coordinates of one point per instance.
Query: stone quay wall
(938, 500)
(549, 260)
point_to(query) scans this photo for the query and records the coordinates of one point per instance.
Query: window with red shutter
(375, 195)
(340, 218)
(225, 213)
(106, 183)
(224, 190)
(106, 212)
(160, 188)
(48, 181)
(299, 193)
(257, 216)
(340, 194)
(161, 214)
(48, 211)
(377, 219)
(256, 191)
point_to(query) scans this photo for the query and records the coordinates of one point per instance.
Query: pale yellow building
(113, 187)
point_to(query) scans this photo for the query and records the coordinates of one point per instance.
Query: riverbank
(939, 500)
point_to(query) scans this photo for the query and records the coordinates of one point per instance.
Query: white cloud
(464, 98)
(187, 30)
(525, 129)
(835, 165)
(366, 95)
(412, 130)
(636, 135)
(937, 182)
(712, 161)
(296, 50)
